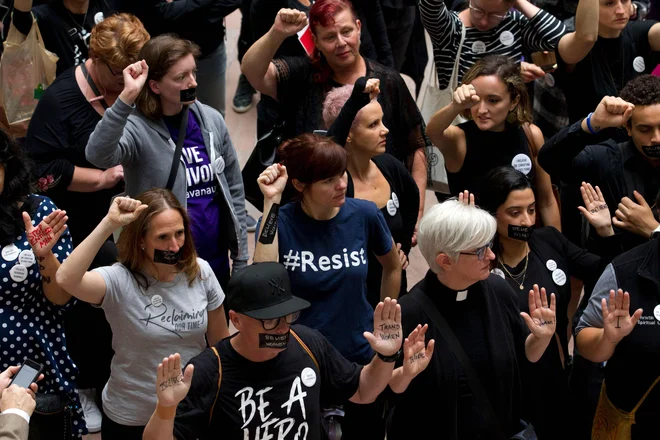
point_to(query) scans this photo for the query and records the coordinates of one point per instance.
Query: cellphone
(29, 373)
(545, 60)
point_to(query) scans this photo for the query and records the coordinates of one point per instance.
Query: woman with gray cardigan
(140, 132)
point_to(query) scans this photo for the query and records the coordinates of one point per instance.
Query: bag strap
(453, 81)
(306, 348)
(219, 380)
(95, 89)
(645, 395)
(530, 139)
(455, 346)
(179, 148)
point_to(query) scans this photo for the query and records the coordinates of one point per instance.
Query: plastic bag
(26, 70)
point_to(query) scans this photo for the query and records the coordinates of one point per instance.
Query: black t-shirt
(610, 64)
(486, 150)
(64, 33)
(56, 141)
(282, 396)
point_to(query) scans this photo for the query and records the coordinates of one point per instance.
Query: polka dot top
(30, 325)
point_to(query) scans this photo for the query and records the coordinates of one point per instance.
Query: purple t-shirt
(203, 207)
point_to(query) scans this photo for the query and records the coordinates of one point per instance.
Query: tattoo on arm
(46, 279)
(41, 266)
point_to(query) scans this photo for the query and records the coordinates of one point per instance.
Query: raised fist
(611, 112)
(272, 182)
(289, 21)
(125, 210)
(466, 97)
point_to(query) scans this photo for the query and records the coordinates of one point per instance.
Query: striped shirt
(511, 37)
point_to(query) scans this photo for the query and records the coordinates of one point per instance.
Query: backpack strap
(645, 395)
(306, 348)
(219, 380)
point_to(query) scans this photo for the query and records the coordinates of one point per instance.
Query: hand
(372, 88)
(416, 357)
(289, 21)
(466, 197)
(7, 375)
(135, 75)
(530, 72)
(272, 182)
(617, 322)
(111, 177)
(611, 112)
(542, 320)
(172, 385)
(465, 97)
(45, 235)
(125, 210)
(403, 258)
(18, 398)
(386, 338)
(635, 217)
(595, 210)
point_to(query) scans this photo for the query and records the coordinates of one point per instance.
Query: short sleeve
(593, 313)
(380, 238)
(194, 412)
(640, 34)
(340, 378)
(115, 282)
(214, 293)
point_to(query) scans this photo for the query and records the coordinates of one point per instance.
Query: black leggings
(114, 431)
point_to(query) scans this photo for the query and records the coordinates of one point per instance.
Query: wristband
(589, 127)
(392, 358)
(165, 412)
(269, 227)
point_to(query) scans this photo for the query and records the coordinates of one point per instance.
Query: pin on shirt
(656, 312)
(506, 38)
(10, 252)
(391, 208)
(521, 162)
(308, 377)
(478, 47)
(27, 258)
(18, 273)
(639, 65)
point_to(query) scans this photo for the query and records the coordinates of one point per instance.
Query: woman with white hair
(473, 316)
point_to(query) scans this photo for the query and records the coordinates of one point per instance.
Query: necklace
(82, 27)
(516, 277)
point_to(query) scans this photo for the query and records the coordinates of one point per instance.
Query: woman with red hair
(300, 84)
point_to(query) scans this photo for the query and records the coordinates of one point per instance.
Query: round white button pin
(308, 377)
(549, 80)
(395, 199)
(559, 277)
(478, 47)
(18, 273)
(656, 312)
(639, 65)
(551, 265)
(10, 252)
(26, 258)
(506, 38)
(156, 300)
(522, 163)
(391, 209)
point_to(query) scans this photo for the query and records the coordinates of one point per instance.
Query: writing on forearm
(45, 279)
(40, 260)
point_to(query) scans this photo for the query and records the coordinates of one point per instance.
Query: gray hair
(453, 227)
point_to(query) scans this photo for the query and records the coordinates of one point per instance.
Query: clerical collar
(462, 295)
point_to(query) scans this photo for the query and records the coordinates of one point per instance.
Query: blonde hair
(118, 39)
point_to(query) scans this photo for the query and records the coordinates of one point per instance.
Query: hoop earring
(511, 117)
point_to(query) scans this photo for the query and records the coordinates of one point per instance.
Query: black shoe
(243, 97)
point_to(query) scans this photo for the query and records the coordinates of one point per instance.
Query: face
(110, 76)
(2, 178)
(487, 14)
(469, 268)
(495, 103)
(166, 233)
(181, 76)
(251, 328)
(614, 14)
(340, 41)
(329, 192)
(644, 129)
(369, 135)
(519, 209)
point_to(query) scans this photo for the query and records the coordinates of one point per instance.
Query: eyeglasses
(479, 14)
(480, 252)
(120, 73)
(271, 324)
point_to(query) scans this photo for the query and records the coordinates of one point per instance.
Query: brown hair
(118, 39)
(509, 73)
(160, 54)
(130, 253)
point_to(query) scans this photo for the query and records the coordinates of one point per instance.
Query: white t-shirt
(148, 325)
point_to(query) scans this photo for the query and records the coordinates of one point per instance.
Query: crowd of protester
(132, 305)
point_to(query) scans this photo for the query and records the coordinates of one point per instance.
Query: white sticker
(656, 312)
(639, 65)
(497, 271)
(391, 209)
(308, 377)
(10, 252)
(156, 300)
(549, 80)
(26, 258)
(219, 165)
(98, 17)
(395, 199)
(551, 265)
(18, 273)
(522, 163)
(478, 47)
(559, 277)
(506, 38)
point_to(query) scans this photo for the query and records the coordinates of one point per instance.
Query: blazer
(13, 427)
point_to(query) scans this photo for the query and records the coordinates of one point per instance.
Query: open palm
(595, 209)
(172, 384)
(542, 319)
(387, 336)
(43, 237)
(416, 354)
(617, 320)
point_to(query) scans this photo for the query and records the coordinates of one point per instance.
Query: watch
(655, 233)
(391, 358)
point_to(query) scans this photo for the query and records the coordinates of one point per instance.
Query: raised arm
(547, 203)
(575, 46)
(541, 30)
(73, 275)
(654, 37)
(272, 183)
(257, 63)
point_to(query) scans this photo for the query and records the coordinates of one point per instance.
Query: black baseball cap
(263, 291)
